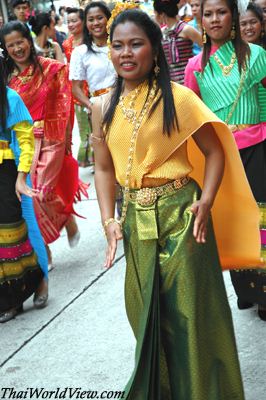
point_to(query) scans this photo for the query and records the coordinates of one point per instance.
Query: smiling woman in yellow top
(175, 296)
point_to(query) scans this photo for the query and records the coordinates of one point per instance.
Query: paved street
(82, 338)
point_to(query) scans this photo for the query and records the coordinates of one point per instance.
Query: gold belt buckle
(4, 145)
(179, 183)
(146, 196)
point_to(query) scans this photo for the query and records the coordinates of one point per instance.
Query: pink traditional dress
(46, 92)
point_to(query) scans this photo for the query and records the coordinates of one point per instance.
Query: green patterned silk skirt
(177, 306)
(85, 153)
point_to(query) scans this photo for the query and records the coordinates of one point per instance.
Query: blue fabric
(17, 112)
(27, 204)
(196, 48)
(34, 231)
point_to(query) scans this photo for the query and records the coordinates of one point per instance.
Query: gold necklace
(26, 78)
(226, 69)
(130, 115)
(240, 88)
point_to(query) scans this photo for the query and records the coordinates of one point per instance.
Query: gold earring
(156, 68)
(204, 36)
(233, 32)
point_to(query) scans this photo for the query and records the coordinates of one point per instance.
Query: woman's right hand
(113, 234)
(21, 186)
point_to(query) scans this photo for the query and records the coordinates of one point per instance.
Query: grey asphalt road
(82, 338)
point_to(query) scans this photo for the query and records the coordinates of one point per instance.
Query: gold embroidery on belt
(238, 127)
(38, 124)
(4, 144)
(148, 196)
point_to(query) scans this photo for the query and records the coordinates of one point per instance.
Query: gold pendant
(130, 113)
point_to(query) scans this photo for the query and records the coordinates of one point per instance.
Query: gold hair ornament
(118, 9)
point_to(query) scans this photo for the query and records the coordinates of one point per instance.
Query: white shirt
(95, 68)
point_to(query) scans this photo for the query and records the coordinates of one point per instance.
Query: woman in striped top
(226, 76)
(178, 38)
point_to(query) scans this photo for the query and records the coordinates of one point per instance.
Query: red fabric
(69, 186)
(47, 95)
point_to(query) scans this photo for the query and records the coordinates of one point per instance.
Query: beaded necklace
(226, 69)
(130, 115)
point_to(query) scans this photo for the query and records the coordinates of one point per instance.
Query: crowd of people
(170, 102)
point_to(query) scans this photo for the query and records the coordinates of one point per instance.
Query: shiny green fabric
(85, 153)
(177, 306)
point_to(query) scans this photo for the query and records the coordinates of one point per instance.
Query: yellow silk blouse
(25, 139)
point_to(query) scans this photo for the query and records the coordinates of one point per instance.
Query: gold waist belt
(38, 124)
(99, 92)
(147, 196)
(4, 144)
(238, 127)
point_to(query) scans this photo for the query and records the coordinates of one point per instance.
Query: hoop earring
(204, 36)
(233, 32)
(156, 69)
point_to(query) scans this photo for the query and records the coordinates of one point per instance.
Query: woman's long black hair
(17, 26)
(87, 37)
(154, 34)
(3, 102)
(242, 49)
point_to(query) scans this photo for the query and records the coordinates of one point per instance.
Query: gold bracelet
(108, 222)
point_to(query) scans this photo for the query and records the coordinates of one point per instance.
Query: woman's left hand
(201, 211)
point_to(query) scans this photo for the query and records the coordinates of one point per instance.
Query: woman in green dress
(227, 76)
(175, 295)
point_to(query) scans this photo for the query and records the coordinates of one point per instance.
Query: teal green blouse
(219, 92)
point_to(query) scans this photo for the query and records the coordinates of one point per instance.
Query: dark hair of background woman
(154, 34)
(170, 7)
(4, 102)
(242, 49)
(75, 10)
(257, 11)
(87, 37)
(17, 26)
(38, 21)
